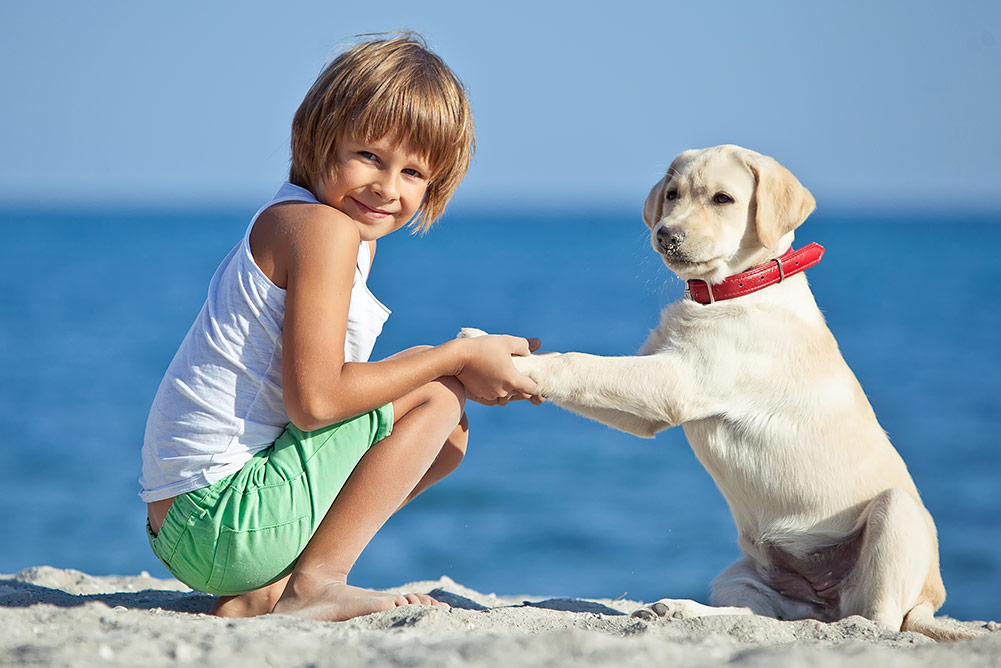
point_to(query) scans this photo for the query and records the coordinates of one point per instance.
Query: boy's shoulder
(291, 234)
(307, 221)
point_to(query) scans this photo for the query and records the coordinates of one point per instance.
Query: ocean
(94, 303)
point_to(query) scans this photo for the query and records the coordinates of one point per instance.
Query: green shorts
(247, 530)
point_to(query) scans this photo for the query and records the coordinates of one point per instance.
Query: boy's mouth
(367, 210)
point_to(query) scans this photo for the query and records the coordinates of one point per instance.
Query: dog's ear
(653, 207)
(781, 202)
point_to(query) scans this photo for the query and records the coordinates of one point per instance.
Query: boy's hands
(488, 373)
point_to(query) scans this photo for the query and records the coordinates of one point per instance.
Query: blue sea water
(94, 303)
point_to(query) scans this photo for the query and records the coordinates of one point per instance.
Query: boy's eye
(414, 173)
(368, 155)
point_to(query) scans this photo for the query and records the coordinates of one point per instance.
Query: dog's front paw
(533, 365)
(470, 333)
(530, 365)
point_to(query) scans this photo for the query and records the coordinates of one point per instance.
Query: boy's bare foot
(339, 601)
(257, 602)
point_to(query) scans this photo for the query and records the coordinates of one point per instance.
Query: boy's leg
(424, 446)
(448, 459)
(262, 601)
(450, 455)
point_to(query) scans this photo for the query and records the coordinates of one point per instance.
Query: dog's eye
(672, 194)
(722, 198)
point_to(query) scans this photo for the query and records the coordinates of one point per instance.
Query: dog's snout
(670, 237)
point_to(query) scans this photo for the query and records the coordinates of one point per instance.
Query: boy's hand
(488, 374)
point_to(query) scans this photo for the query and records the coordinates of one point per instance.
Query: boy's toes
(421, 599)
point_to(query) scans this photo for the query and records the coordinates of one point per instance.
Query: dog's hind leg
(897, 567)
(679, 608)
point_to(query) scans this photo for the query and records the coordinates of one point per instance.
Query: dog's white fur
(829, 521)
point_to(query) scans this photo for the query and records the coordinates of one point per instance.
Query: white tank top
(220, 401)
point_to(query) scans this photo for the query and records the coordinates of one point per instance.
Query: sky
(871, 104)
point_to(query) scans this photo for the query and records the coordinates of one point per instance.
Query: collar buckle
(782, 271)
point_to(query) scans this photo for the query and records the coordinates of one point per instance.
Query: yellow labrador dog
(829, 521)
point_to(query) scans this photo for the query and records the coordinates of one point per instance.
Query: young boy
(274, 451)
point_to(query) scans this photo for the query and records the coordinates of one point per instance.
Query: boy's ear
(781, 203)
(653, 207)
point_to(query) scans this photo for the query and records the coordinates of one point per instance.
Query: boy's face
(378, 184)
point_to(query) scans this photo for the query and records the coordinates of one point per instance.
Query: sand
(56, 617)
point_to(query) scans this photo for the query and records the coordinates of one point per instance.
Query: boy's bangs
(420, 115)
(425, 124)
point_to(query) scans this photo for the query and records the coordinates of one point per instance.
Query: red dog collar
(772, 272)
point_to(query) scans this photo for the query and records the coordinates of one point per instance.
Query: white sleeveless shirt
(220, 401)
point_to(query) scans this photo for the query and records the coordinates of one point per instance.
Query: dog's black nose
(670, 237)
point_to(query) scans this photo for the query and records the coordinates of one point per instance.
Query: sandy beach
(56, 617)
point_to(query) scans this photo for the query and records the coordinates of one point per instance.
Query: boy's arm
(315, 251)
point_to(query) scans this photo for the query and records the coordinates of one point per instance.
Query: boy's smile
(378, 184)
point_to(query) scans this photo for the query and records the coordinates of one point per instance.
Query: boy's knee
(447, 388)
(445, 396)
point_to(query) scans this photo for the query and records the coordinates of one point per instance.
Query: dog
(829, 521)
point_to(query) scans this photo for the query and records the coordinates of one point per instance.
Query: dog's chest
(725, 449)
(756, 467)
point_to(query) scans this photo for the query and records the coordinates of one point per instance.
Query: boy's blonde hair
(392, 87)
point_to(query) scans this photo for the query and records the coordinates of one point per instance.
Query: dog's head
(721, 210)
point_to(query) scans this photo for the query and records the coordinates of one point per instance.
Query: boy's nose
(386, 187)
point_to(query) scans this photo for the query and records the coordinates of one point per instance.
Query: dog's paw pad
(470, 333)
(667, 609)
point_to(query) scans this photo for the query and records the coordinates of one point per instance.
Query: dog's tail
(921, 619)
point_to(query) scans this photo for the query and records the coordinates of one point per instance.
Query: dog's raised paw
(470, 333)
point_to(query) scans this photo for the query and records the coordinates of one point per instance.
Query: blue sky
(883, 104)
